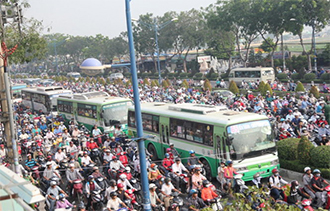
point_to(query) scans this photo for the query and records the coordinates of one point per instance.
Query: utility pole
(6, 115)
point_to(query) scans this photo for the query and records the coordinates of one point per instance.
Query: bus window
(224, 150)
(163, 134)
(247, 74)
(147, 122)
(131, 119)
(155, 124)
(167, 135)
(87, 110)
(64, 106)
(177, 128)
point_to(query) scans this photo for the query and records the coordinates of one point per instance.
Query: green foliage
(282, 76)
(295, 76)
(267, 88)
(146, 81)
(198, 76)
(295, 165)
(128, 83)
(233, 87)
(108, 81)
(325, 76)
(261, 87)
(154, 83)
(314, 91)
(165, 84)
(320, 156)
(207, 85)
(304, 150)
(300, 87)
(324, 57)
(185, 84)
(183, 75)
(267, 45)
(168, 82)
(309, 76)
(288, 148)
(118, 81)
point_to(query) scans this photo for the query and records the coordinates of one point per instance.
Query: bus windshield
(115, 114)
(251, 139)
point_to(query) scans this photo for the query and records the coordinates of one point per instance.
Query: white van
(247, 74)
(114, 76)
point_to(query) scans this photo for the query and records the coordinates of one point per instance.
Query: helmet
(114, 158)
(205, 182)
(256, 175)
(48, 163)
(229, 162)
(61, 196)
(282, 119)
(112, 182)
(167, 155)
(171, 144)
(152, 185)
(316, 171)
(113, 193)
(177, 159)
(174, 205)
(95, 168)
(306, 202)
(167, 179)
(307, 169)
(90, 177)
(168, 149)
(294, 183)
(120, 185)
(123, 176)
(52, 183)
(127, 169)
(274, 170)
(191, 152)
(153, 165)
(192, 191)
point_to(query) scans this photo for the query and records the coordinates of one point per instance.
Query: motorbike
(215, 203)
(327, 204)
(306, 203)
(95, 156)
(239, 184)
(63, 166)
(35, 172)
(97, 200)
(177, 200)
(77, 191)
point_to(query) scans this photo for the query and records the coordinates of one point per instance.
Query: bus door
(164, 133)
(222, 151)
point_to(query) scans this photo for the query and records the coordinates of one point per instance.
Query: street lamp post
(138, 118)
(156, 27)
(314, 47)
(283, 53)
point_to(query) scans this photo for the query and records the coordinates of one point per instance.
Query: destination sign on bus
(245, 126)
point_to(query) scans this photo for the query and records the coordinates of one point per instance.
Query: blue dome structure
(92, 67)
(91, 64)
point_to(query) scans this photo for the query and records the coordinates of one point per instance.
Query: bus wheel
(208, 172)
(152, 150)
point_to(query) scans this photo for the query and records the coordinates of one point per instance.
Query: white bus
(43, 98)
(74, 75)
(248, 74)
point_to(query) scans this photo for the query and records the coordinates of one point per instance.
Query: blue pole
(55, 57)
(157, 49)
(142, 155)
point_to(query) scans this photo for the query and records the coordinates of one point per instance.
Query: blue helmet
(192, 191)
(191, 152)
(167, 155)
(229, 162)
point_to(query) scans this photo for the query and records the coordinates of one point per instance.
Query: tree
(314, 91)
(300, 87)
(267, 45)
(233, 87)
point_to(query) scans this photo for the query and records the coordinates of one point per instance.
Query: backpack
(268, 180)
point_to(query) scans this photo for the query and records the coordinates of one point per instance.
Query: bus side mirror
(101, 114)
(229, 141)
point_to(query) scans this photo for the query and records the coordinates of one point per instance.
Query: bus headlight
(274, 162)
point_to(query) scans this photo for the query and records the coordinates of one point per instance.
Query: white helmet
(123, 176)
(128, 169)
(52, 183)
(307, 169)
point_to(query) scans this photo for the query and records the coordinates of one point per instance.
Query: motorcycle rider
(112, 187)
(197, 179)
(153, 172)
(123, 180)
(122, 193)
(317, 185)
(63, 203)
(52, 194)
(220, 177)
(275, 182)
(174, 151)
(30, 162)
(96, 173)
(193, 160)
(166, 190)
(294, 192)
(85, 161)
(208, 195)
(307, 180)
(91, 144)
(59, 155)
(90, 186)
(96, 131)
(49, 172)
(115, 202)
(153, 195)
(177, 169)
(195, 203)
(228, 174)
(72, 174)
(115, 164)
(167, 163)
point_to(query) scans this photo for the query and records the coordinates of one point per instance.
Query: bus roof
(93, 98)
(252, 68)
(199, 113)
(50, 90)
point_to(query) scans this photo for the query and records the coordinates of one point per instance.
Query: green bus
(95, 108)
(213, 132)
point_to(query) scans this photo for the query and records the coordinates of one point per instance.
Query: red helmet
(120, 185)
(274, 170)
(114, 157)
(168, 149)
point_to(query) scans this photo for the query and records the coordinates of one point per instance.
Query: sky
(106, 17)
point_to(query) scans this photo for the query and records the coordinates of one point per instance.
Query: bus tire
(207, 168)
(152, 150)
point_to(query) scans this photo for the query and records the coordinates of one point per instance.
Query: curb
(293, 175)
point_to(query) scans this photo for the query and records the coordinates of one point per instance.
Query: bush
(146, 82)
(282, 76)
(261, 87)
(198, 76)
(300, 87)
(183, 75)
(295, 76)
(233, 87)
(314, 91)
(144, 75)
(171, 75)
(309, 76)
(304, 150)
(325, 76)
(165, 84)
(214, 76)
(295, 165)
(288, 148)
(320, 156)
(207, 85)
(185, 84)
(268, 88)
